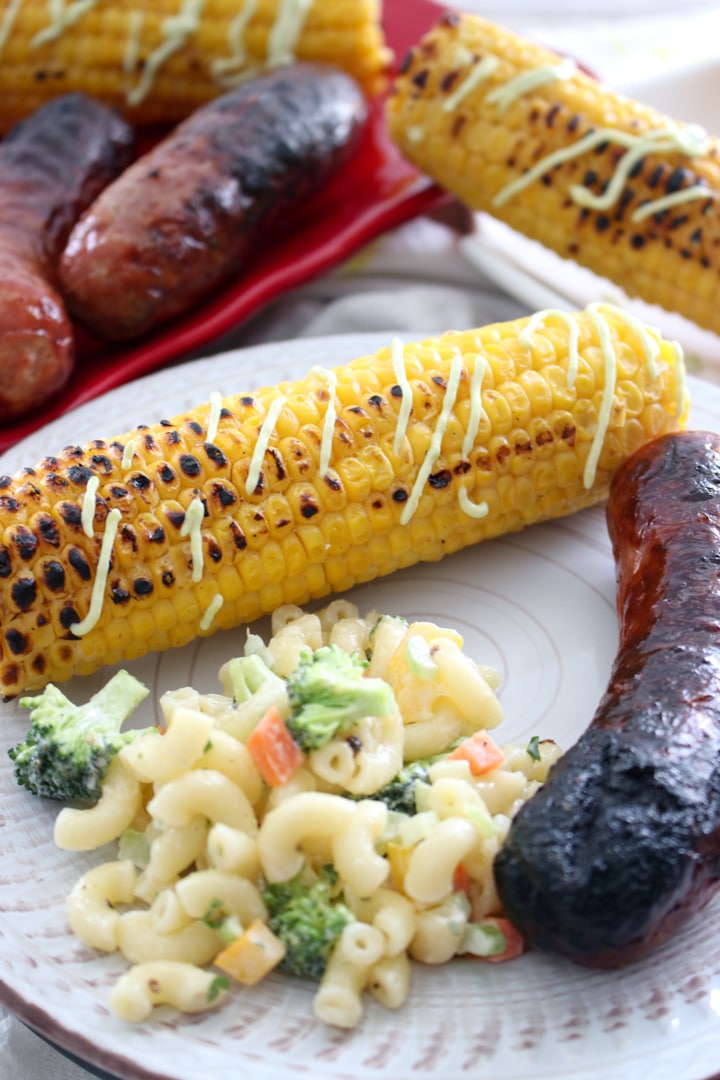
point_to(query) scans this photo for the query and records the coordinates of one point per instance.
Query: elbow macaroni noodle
(215, 831)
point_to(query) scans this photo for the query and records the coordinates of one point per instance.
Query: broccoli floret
(244, 676)
(69, 747)
(328, 694)
(307, 920)
(399, 794)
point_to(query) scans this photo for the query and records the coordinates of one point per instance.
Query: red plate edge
(375, 192)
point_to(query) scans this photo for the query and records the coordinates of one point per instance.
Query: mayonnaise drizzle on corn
(97, 597)
(191, 527)
(62, 17)
(263, 441)
(397, 354)
(175, 31)
(330, 418)
(211, 611)
(527, 81)
(8, 21)
(286, 31)
(214, 417)
(480, 72)
(89, 503)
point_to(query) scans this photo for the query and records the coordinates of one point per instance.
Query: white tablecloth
(389, 287)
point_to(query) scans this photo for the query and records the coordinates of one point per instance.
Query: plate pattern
(540, 606)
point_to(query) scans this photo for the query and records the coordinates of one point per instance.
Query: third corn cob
(519, 132)
(158, 60)
(288, 493)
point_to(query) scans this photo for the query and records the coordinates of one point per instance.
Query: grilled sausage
(195, 209)
(52, 166)
(623, 841)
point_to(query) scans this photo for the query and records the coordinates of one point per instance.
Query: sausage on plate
(623, 841)
(203, 203)
(52, 166)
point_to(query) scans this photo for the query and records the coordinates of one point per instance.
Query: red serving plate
(376, 191)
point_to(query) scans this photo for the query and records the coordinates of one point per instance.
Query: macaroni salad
(333, 812)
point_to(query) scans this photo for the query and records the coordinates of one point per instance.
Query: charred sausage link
(52, 166)
(203, 202)
(623, 841)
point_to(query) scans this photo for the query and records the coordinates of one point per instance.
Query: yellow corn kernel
(515, 139)
(174, 575)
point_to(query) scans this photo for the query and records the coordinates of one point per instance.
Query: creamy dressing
(226, 68)
(89, 504)
(666, 202)
(690, 141)
(397, 353)
(98, 591)
(472, 509)
(525, 336)
(191, 527)
(286, 30)
(263, 441)
(482, 71)
(131, 55)
(433, 451)
(62, 17)
(476, 405)
(8, 21)
(211, 611)
(610, 365)
(128, 453)
(175, 31)
(330, 418)
(527, 81)
(214, 417)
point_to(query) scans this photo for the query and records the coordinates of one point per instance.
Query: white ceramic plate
(540, 606)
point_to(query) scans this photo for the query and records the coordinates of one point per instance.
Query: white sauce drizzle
(191, 527)
(526, 335)
(89, 503)
(8, 21)
(175, 31)
(62, 17)
(96, 600)
(527, 81)
(263, 440)
(398, 362)
(211, 611)
(482, 71)
(128, 453)
(286, 31)
(214, 418)
(433, 451)
(226, 68)
(665, 202)
(472, 509)
(476, 405)
(610, 365)
(690, 141)
(330, 418)
(132, 43)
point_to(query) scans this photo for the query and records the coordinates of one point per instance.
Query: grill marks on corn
(513, 439)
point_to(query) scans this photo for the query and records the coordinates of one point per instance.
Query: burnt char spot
(25, 541)
(54, 576)
(129, 537)
(142, 586)
(214, 550)
(73, 451)
(24, 592)
(308, 508)
(8, 504)
(156, 535)
(355, 743)
(376, 401)
(247, 400)
(39, 664)
(100, 461)
(450, 18)
(216, 455)
(333, 483)
(5, 481)
(166, 474)
(70, 513)
(168, 578)
(166, 423)
(573, 123)
(439, 381)
(172, 437)
(79, 474)
(5, 565)
(117, 492)
(656, 176)
(396, 390)
(406, 62)
(238, 536)
(552, 114)
(194, 426)
(678, 221)
(149, 442)
(358, 409)
(190, 465)
(400, 495)
(462, 467)
(637, 240)
(68, 616)
(696, 237)
(176, 518)
(10, 677)
(590, 178)
(602, 222)
(139, 481)
(420, 78)
(224, 496)
(79, 563)
(440, 479)
(279, 466)
(457, 125)
(17, 643)
(676, 180)
(119, 595)
(448, 81)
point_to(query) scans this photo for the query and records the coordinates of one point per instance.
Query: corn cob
(159, 60)
(627, 192)
(290, 492)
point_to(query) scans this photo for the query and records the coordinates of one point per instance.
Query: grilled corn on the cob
(158, 60)
(288, 493)
(519, 132)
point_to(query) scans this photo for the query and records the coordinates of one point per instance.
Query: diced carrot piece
(462, 882)
(480, 752)
(514, 941)
(253, 955)
(273, 749)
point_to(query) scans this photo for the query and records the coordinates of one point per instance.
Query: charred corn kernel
(471, 459)
(520, 133)
(159, 60)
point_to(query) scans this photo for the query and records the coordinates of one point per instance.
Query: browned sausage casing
(52, 166)
(203, 202)
(623, 841)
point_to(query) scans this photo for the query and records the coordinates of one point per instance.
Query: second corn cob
(521, 133)
(158, 61)
(288, 493)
